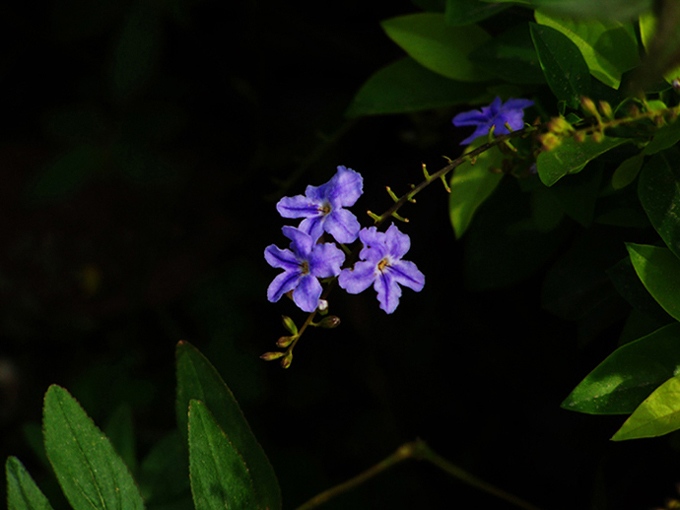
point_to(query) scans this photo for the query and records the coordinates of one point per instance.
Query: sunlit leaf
(659, 271)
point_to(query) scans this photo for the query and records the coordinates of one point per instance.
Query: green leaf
(471, 185)
(604, 9)
(121, 432)
(164, 473)
(659, 271)
(219, 475)
(571, 157)
(609, 47)
(510, 56)
(441, 48)
(197, 379)
(659, 414)
(22, 491)
(565, 69)
(663, 139)
(90, 473)
(659, 192)
(663, 49)
(622, 381)
(67, 175)
(627, 171)
(406, 86)
(578, 195)
(466, 12)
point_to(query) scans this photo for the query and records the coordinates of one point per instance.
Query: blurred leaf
(219, 475)
(571, 157)
(466, 12)
(622, 381)
(664, 138)
(437, 46)
(609, 47)
(137, 50)
(197, 379)
(406, 86)
(164, 473)
(565, 69)
(627, 171)
(34, 438)
(22, 492)
(659, 414)
(76, 124)
(578, 195)
(472, 184)
(604, 9)
(430, 5)
(659, 192)
(659, 271)
(121, 432)
(89, 471)
(662, 43)
(504, 246)
(67, 174)
(546, 210)
(510, 56)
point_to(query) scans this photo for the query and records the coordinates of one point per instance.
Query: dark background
(143, 146)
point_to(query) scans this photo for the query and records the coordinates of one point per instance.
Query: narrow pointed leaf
(659, 414)
(659, 192)
(622, 381)
(219, 475)
(627, 171)
(22, 491)
(659, 271)
(565, 69)
(121, 432)
(471, 185)
(197, 379)
(89, 471)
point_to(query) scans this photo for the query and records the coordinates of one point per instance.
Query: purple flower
(382, 266)
(496, 114)
(322, 207)
(302, 266)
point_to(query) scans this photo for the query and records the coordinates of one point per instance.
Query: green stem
(415, 450)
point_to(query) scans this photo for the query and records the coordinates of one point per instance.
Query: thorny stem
(418, 450)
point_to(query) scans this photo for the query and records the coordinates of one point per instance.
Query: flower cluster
(323, 210)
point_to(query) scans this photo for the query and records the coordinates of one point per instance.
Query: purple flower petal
(302, 243)
(471, 118)
(359, 278)
(284, 259)
(297, 207)
(388, 291)
(285, 282)
(325, 260)
(342, 225)
(345, 188)
(307, 293)
(397, 243)
(495, 115)
(407, 274)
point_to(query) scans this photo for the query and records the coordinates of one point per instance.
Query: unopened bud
(606, 110)
(589, 106)
(285, 341)
(330, 322)
(287, 360)
(323, 305)
(270, 356)
(676, 84)
(549, 141)
(598, 136)
(289, 325)
(559, 125)
(579, 136)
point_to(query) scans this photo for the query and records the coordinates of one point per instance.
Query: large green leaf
(622, 381)
(663, 139)
(565, 69)
(471, 185)
(22, 492)
(406, 86)
(609, 47)
(571, 157)
(465, 12)
(197, 379)
(89, 471)
(219, 475)
(659, 414)
(510, 56)
(659, 271)
(441, 48)
(659, 192)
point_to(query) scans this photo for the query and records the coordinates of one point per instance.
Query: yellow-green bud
(287, 360)
(588, 105)
(330, 322)
(285, 341)
(289, 325)
(579, 136)
(606, 110)
(269, 356)
(598, 137)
